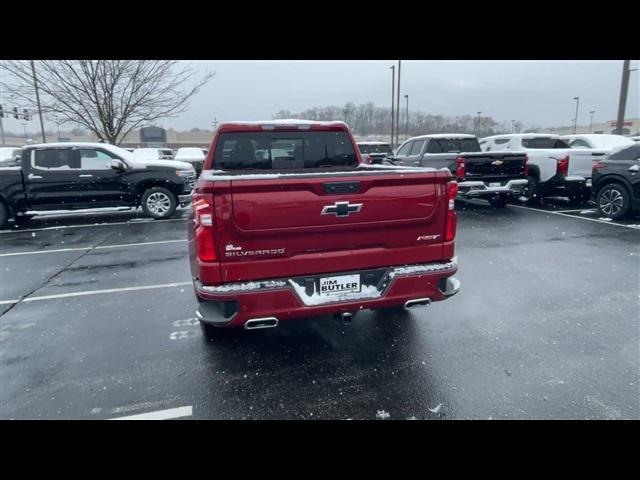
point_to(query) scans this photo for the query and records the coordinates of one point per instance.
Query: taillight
(461, 168)
(452, 218)
(203, 225)
(526, 165)
(562, 167)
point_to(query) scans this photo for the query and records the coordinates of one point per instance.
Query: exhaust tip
(417, 302)
(255, 323)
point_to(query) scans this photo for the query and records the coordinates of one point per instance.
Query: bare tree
(108, 97)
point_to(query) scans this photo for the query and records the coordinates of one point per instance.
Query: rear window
(375, 148)
(283, 150)
(630, 153)
(544, 142)
(56, 159)
(449, 145)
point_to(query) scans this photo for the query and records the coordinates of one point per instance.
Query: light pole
(591, 121)
(393, 95)
(35, 86)
(406, 122)
(478, 124)
(398, 109)
(575, 121)
(624, 88)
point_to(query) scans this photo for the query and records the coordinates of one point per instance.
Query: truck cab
(68, 177)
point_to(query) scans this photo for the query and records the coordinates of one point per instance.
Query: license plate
(339, 285)
(494, 184)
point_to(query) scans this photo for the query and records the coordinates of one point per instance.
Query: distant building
(631, 127)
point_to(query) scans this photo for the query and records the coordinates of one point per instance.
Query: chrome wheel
(611, 202)
(158, 203)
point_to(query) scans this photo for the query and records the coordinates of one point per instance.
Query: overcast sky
(537, 93)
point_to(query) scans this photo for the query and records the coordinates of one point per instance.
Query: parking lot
(98, 322)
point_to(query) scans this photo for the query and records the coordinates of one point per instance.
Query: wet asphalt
(546, 326)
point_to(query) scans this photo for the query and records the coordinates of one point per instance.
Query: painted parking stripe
(96, 292)
(80, 249)
(62, 227)
(633, 227)
(168, 414)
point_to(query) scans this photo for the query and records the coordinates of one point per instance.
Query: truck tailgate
(315, 224)
(581, 161)
(494, 166)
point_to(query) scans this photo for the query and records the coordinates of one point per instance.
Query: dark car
(616, 182)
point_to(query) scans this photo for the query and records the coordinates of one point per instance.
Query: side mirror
(118, 165)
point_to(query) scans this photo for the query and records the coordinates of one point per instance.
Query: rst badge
(422, 238)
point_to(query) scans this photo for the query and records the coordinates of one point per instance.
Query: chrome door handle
(85, 176)
(31, 176)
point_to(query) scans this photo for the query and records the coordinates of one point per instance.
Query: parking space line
(7, 302)
(168, 414)
(60, 227)
(632, 227)
(121, 245)
(96, 292)
(578, 210)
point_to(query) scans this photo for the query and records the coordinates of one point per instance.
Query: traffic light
(26, 114)
(16, 115)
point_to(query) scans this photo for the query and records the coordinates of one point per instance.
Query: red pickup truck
(287, 222)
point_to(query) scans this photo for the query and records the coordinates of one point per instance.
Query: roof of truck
(284, 124)
(524, 135)
(443, 135)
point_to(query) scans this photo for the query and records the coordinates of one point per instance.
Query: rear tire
(159, 203)
(4, 216)
(498, 202)
(531, 194)
(613, 201)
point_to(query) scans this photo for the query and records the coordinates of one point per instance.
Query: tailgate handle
(341, 187)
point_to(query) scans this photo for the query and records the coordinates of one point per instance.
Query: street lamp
(575, 122)
(591, 121)
(393, 94)
(478, 124)
(406, 123)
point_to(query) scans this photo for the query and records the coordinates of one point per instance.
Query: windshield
(283, 150)
(368, 148)
(189, 153)
(544, 143)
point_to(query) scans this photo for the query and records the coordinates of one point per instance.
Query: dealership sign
(624, 124)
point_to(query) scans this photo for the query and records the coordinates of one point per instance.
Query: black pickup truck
(495, 177)
(72, 177)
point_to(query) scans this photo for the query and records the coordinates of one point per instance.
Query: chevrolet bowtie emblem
(497, 163)
(341, 209)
